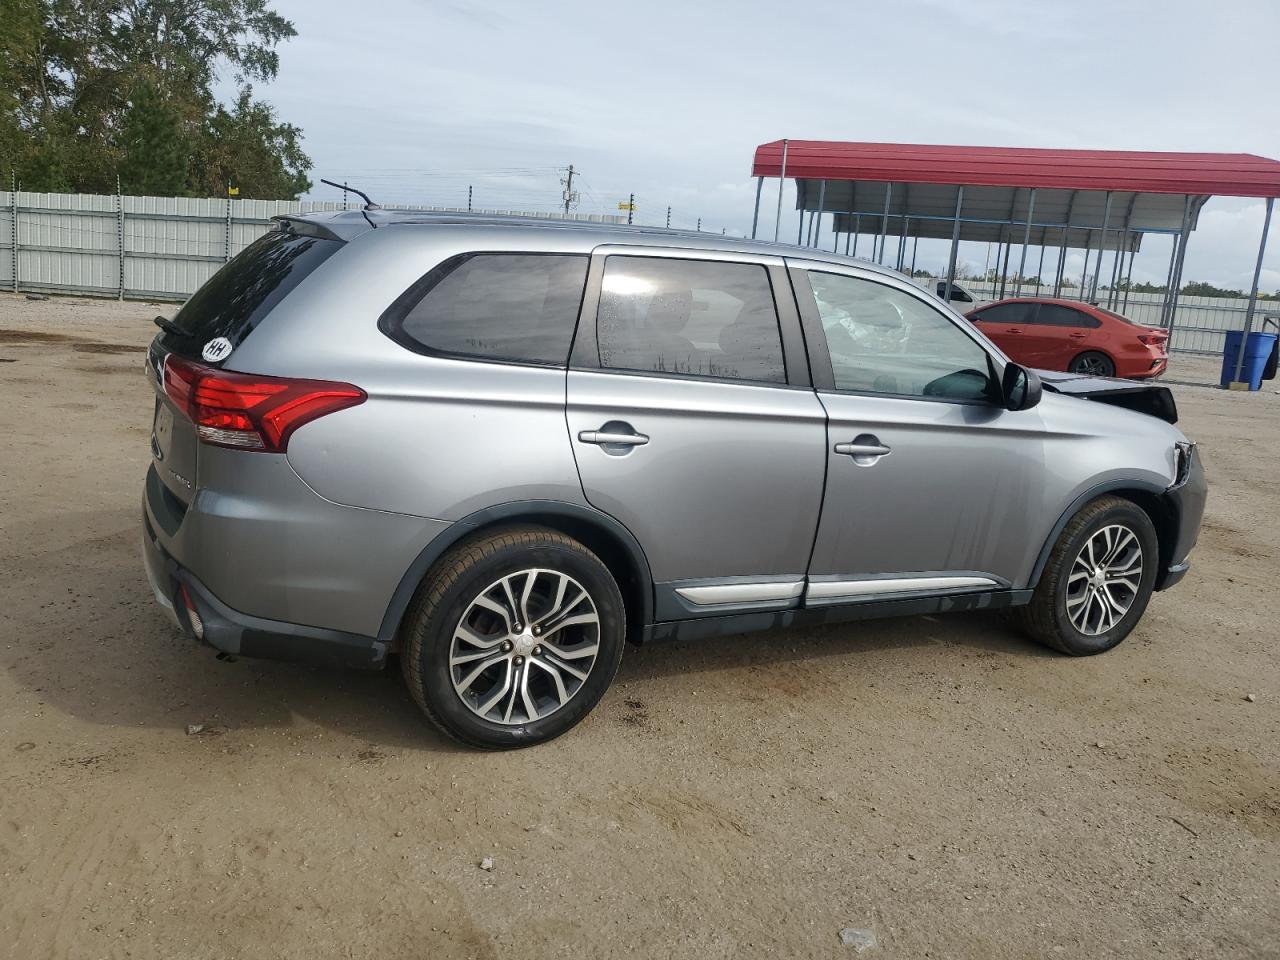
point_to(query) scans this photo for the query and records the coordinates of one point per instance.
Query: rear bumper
(177, 589)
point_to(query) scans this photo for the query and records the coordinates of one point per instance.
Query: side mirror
(1020, 387)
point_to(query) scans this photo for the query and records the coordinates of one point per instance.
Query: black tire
(447, 593)
(1046, 620)
(1093, 363)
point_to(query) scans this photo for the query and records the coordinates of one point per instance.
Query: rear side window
(1056, 315)
(690, 317)
(237, 298)
(513, 307)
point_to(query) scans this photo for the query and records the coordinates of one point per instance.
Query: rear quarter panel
(437, 437)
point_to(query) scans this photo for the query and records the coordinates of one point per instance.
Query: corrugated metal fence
(163, 248)
(154, 248)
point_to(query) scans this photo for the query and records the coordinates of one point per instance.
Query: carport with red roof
(1100, 201)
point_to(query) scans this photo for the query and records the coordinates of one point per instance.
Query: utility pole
(699, 224)
(570, 198)
(668, 217)
(468, 199)
(631, 208)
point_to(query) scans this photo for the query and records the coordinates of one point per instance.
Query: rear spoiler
(304, 227)
(1151, 399)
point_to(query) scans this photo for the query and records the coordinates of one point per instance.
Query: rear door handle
(866, 449)
(605, 438)
(1014, 330)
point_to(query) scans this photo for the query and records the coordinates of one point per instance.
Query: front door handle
(604, 438)
(1014, 330)
(862, 449)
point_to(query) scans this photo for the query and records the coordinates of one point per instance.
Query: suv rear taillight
(247, 411)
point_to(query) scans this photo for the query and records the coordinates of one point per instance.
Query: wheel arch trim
(531, 511)
(1117, 485)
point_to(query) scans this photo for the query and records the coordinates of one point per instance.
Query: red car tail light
(1153, 339)
(246, 411)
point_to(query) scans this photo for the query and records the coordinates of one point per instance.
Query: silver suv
(499, 448)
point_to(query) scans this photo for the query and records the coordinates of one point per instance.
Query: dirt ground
(937, 781)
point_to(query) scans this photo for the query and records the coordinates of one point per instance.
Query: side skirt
(836, 613)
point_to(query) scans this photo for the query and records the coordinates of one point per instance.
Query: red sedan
(1072, 336)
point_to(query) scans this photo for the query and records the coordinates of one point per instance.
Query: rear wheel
(1097, 582)
(513, 638)
(1093, 364)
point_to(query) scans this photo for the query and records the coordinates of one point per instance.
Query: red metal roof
(1213, 174)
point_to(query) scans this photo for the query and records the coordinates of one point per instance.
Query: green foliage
(1200, 288)
(89, 90)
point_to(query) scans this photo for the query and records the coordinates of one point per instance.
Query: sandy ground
(937, 781)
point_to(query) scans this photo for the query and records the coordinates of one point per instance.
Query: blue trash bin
(1256, 354)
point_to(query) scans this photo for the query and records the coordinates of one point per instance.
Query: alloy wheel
(1104, 580)
(1092, 365)
(524, 646)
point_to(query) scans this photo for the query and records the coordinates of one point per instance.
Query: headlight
(1183, 452)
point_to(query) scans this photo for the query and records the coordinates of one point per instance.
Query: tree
(92, 89)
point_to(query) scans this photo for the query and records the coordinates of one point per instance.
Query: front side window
(883, 340)
(1010, 313)
(494, 306)
(690, 317)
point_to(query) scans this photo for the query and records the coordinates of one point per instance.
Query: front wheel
(1097, 582)
(1093, 364)
(513, 638)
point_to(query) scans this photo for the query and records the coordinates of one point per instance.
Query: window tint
(1056, 315)
(1010, 313)
(237, 298)
(495, 306)
(957, 295)
(883, 340)
(696, 317)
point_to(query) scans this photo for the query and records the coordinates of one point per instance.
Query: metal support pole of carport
(1253, 292)
(1062, 251)
(1173, 264)
(1128, 279)
(884, 221)
(1117, 262)
(755, 217)
(857, 229)
(1176, 286)
(815, 223)
(915, 248)
(955, 245)
(782, 182)
(853, 192)
(1026, 239)
(902, 233)
(1102, 245)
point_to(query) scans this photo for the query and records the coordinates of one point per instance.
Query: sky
(414, 101)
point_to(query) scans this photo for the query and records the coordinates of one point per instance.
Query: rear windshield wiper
(168, 326)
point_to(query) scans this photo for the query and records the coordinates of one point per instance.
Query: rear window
(514, 307)
(236, 298)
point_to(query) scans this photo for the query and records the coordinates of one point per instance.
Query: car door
(1012, 327)
(694, 424)
(932, 486)
(1065, 332)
